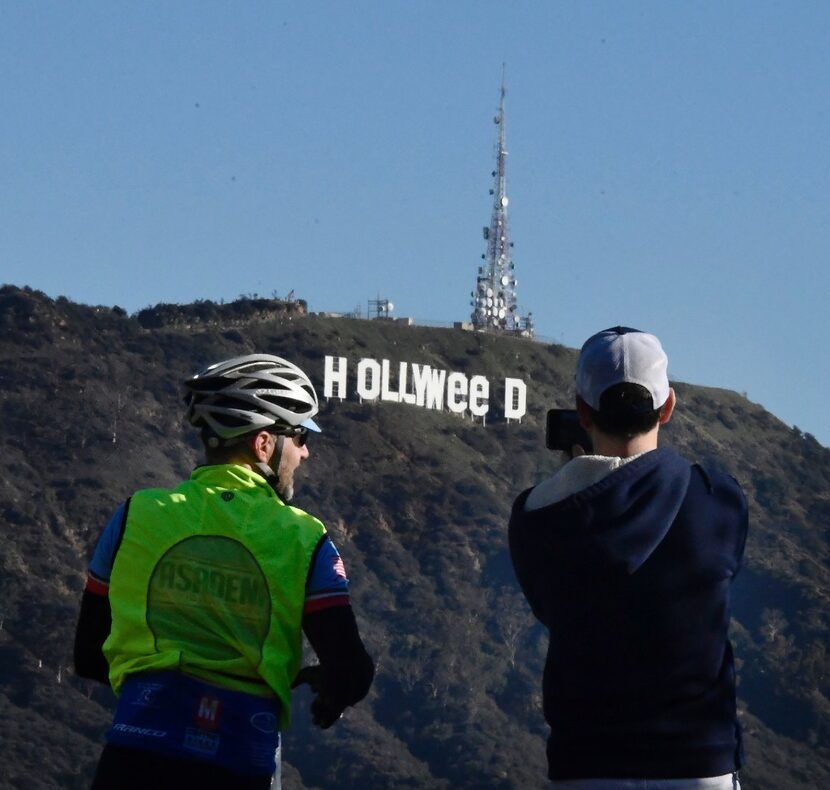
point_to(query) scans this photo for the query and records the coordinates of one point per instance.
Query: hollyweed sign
(422, 385)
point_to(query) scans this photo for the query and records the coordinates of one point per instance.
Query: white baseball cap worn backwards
(619, 355)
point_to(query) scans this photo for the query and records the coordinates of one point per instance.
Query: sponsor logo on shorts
(209, 713)
(200, 741)
(146, 732)
(264, 722)
(146, 695)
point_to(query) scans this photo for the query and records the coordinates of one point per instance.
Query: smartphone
(563, 431)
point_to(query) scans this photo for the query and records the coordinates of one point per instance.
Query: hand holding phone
(563, 431)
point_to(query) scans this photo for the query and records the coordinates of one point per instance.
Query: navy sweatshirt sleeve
(528, 563)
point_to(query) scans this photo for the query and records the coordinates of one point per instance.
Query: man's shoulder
(304, 519)
(716, 476)
(157, 492)
(519, 503)
(712, 472)
(713, 480)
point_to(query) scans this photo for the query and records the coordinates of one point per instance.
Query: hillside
(417, 501)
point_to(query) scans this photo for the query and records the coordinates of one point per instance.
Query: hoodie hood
(624, 517)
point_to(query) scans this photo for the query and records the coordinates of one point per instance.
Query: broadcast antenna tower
(494, 302)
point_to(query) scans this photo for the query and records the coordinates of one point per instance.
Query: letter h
(335, 378)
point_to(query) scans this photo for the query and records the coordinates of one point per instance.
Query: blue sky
(668, 167)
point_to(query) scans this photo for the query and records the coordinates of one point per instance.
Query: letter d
(515, 399)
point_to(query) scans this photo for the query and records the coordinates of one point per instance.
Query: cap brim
(311, 425)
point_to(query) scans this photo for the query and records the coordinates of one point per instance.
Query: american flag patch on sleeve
(327, 583)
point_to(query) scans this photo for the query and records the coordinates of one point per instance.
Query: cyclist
(196, 596)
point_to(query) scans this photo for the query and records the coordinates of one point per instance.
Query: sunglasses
(298, 434)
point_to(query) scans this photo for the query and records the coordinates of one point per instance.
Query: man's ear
(668, 408)
(583, 411)
(260, 443)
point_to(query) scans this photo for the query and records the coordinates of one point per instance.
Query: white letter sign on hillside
(479, 396)
(457, 386)
(335, 376)
(422, 385)
(435, 388)
(420, 374)
(406, 396)
(385, 392)
(515, 399)
(368, 371)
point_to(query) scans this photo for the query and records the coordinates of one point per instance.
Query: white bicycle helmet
(254, 392)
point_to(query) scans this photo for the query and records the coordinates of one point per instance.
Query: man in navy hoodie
(627, 556)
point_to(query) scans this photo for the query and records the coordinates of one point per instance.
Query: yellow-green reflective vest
(209, 580)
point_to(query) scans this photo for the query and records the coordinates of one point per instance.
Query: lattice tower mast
(494, 299)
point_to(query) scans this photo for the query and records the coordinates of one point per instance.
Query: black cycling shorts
(122, 768)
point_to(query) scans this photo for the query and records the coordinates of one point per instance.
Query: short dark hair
(626, 410)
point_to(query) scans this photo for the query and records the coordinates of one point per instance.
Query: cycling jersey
(327, 584)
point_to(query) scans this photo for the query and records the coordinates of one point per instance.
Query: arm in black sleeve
(94, 625)
(528, 564)
(346, 670)
(743, 528)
